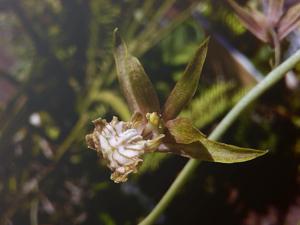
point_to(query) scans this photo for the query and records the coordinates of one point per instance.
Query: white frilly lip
(121, 145)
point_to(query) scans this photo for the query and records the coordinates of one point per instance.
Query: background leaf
(202, 112)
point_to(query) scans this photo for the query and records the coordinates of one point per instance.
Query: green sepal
(135, 84)
(190, 142)
(186, 87)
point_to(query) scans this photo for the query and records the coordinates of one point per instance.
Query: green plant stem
(71, 137)
(273, 77)
(277, 48)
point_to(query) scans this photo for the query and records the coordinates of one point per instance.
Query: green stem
(273, 77)
(277, 48)
(71, 137)
(34, 211)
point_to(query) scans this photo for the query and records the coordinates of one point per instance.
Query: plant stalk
(273, 77)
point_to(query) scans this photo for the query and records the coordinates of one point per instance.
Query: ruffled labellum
(121, 145)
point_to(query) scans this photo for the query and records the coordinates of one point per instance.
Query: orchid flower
(151, 129)
(272, 24)
(275, 18)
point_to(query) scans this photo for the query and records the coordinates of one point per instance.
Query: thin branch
(272, 78)
(277, 48)
(34, 211)
(78, 127)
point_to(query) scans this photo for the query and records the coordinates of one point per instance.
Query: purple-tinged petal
(253, 20)
(289, 22)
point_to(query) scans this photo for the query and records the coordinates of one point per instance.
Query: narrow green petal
(186, 87)
(135, 83)
(190, 142)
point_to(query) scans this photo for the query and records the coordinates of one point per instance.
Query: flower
(122, 145)
(272, 25)
(276, 19)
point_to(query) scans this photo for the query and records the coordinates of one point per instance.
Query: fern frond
(210, 104)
